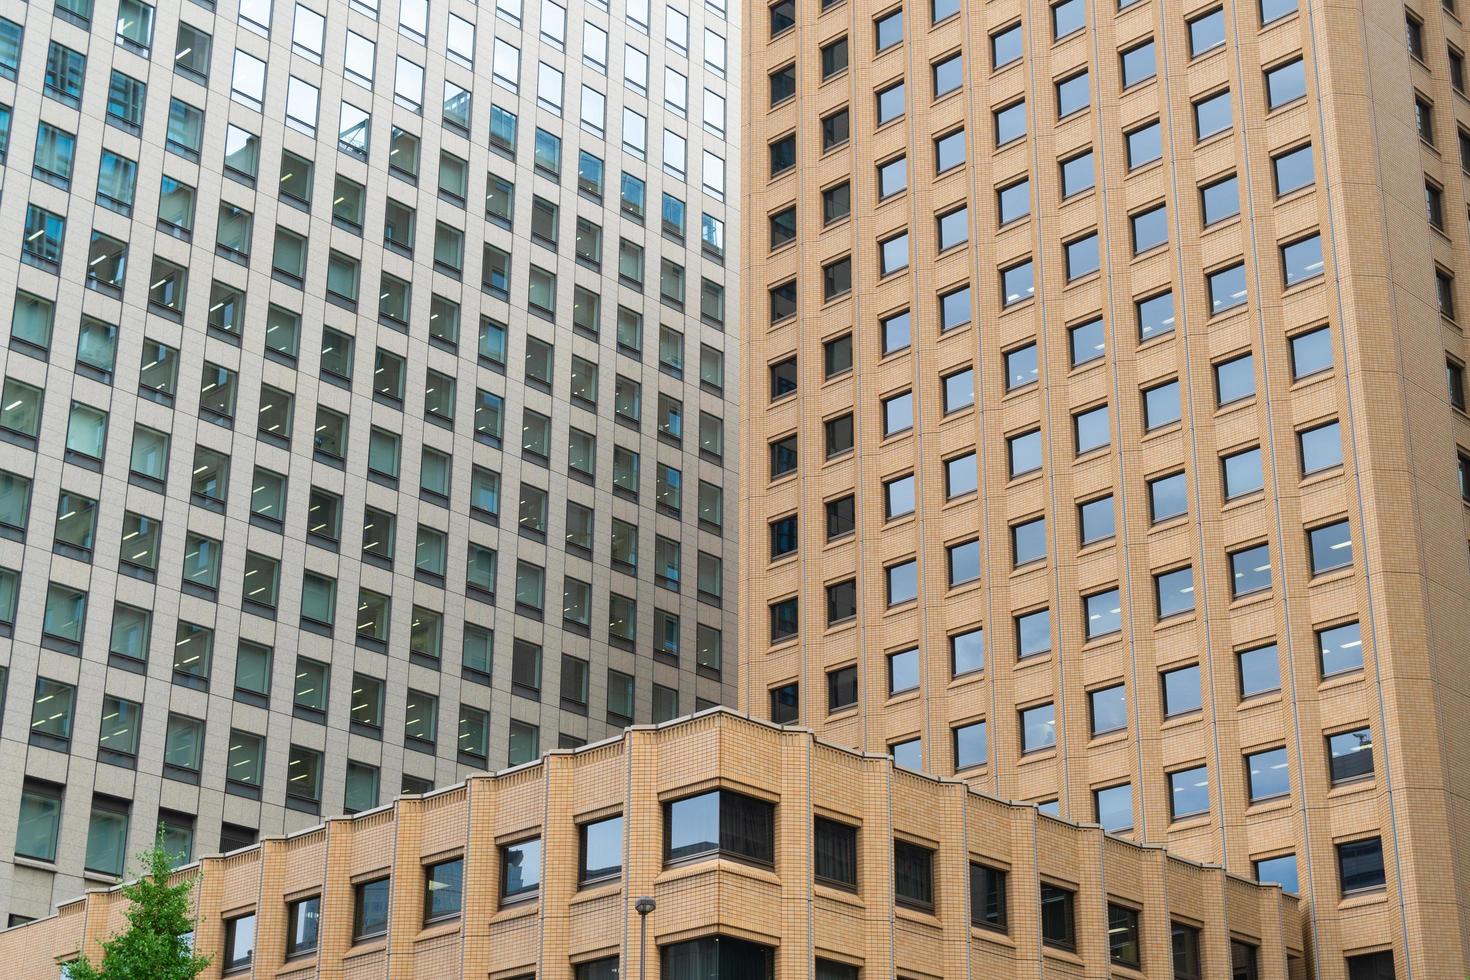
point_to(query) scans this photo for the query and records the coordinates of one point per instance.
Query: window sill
(37, 863)
(715, 863)
(596, 891)
(1375, 896)
(1361, 784)
(530, 906)
(1274, 804)
(436, 929)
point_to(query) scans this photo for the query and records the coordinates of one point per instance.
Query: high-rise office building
(365, 386)
(1104, 428)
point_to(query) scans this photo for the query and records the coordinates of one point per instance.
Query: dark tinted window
(913, 874)
(720, 822)
(988, 897)
(834, 852)
(1058, 916)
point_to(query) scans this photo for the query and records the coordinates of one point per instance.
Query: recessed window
(1206, 32)
(835, 129)
(1017, 283)
(1360, 865)
(1095, 520)
(1189, 792)
(1293, 169)
(1109, 710)
(836, 202)
(1038, 728)
(1013, 201)
(1260, 670)
(961, 476)
(838, 434)
(893, 177)
(1350, 755)
(891, 103)
(1006, 47)
(1010, 122)
(1067, 18)
(783, 83)
(783, 536)
(1330, 547)
(785, 704)
(1161, 405)
(958, 390)
(967, 652)
(1155, 315)
(783, 155)
(842, 688)
(1090, 430)
(1104, 613)
(893, 255)
(834, 853)
(913, 875)
(1087, 342)
(1033, 633)
(1285, 83)
(949, 151)
(902, 582)
(1125, 939)
(783, 456)
(1113, 806)
(784, 620)
(1227, 288)
(953, 228)
(1028, 541)
(841, 602)
(1077, 174)
(954, 309)
(1139, 63)
(1212, 115)
(718, 823)
(834, 57)
(898, 413)
(1167, 497)
(1021, 367)
(783, 227)
(1145, 144)
(1267, 774)
(1320, 447)
(1242, 472)
(903, 671)
(948, 75)
(1302, 260)
(1150, 229)
(1311, 353)
(1058, 916)
(1181, 690)
(1280, 870)
(1235, 379)
(1220, 199)
(1024, 452)
(1082, 256)
(1250, 570)
(888, 30)
(841, 517)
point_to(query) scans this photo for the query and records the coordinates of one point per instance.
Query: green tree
(153, 947)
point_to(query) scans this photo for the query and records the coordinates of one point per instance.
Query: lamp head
(644, 905)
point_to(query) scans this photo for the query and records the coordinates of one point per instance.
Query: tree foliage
(158, 942)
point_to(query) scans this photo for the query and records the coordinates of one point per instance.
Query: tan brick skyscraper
(1104, 417)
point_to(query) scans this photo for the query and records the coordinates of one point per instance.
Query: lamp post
(643, 906)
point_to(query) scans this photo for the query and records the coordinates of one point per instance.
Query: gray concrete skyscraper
(325, 479)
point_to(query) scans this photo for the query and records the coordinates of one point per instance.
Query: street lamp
(643, 906)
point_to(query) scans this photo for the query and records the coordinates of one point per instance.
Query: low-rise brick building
(769, 854)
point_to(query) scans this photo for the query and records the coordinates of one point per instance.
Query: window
(1161, 405)
(1139, 63)
(1242, 472)
(1010, 122)
(107, 835)
(444, 888)
(1293, 169)
(834, 58)
(1285, 83)
(303, 923)
(239, 942)
(888, 30)
(370, 908)
(719, 823)
(1058, 916)
(1144, 145)
(1267, 775)
(1340, 648)
(1104, 613)
(1006, 46)
(836, 202)
(1090, 429)
(1024, 451)
(1212, 115)
(1073, 92)
(1077, 175)
(40, 820)
(1038, 728)
(521, 870)
(1250, 570)
(722, 956)
(953, 228)
(1320, 447)
(1330, 547)
(842, 689)
(1350, 755)
(1227, 288)
(66, 70)
(1181, 690)
(841, 517)
(1189, 792)
(893, 255)
(970, 748)
(1220, 199)
(1017, 283)
(898, 413)
(903, 671)
(902, 582)
(948, 74)
(893, 177)
(1302, 260)
(1013, 201)
(913, 875)
(1125, 939)
(1360, 865)
(1278, 871)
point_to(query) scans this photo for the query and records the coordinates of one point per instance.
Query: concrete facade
(565, 927)
(1103, 409)
(289, 399)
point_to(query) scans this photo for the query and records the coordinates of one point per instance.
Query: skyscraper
(1104, 435)
(325, 478)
